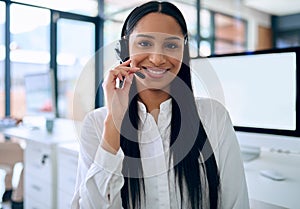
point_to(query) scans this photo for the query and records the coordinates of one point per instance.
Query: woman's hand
(117, 103)
(117, 98)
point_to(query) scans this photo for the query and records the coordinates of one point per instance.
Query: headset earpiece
(122, 49)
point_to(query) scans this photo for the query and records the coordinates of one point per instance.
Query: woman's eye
(144, 44)
(171, 46)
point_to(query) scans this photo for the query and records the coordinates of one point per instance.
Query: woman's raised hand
(116, 102)
(117, 98)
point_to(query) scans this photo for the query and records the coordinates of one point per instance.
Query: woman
(153, 145)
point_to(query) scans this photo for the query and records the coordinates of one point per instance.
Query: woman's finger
(121, 72)
(128, 82)
(126, 63)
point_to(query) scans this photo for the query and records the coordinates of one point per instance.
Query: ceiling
(275, 7)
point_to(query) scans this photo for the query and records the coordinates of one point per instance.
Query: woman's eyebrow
(145, 36)
(153, 37)
(173, 37)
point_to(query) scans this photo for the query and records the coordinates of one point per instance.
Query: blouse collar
(165, 109)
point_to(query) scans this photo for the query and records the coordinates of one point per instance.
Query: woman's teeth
(157, 72)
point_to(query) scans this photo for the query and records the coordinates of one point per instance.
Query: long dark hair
(188, 170)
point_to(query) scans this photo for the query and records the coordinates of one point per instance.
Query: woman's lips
(155, 72)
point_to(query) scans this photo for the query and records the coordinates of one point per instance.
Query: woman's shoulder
(94, 118)
(208, 107)
(96, 114)
(215, 120)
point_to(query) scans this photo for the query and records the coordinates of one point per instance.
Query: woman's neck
(153, 98)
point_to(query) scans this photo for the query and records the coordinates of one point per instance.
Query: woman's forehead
(158, 23)
(156, 36)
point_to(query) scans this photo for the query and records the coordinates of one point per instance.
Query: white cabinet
(39, 176)
(40, 160)
(67, 160)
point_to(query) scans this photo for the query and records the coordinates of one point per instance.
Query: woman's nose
(157, 58)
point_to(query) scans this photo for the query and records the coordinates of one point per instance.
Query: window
(221, 34)
(189, 12)
(2, 58)
(75, 46)
(230, 34)
(205, 33)
(29, 50)
(205, 23)
(112, 31)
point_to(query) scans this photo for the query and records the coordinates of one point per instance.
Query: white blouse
(99, 177)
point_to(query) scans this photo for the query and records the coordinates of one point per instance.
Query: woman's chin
(153, 85)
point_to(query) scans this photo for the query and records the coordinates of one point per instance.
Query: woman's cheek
(136, 59)
(176, 62)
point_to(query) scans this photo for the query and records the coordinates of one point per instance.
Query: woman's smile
(154, 72)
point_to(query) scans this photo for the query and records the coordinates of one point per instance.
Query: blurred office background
(62, 35)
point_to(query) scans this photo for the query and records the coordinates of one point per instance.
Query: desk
(282, 193)
(265, 193)
(40, 157)
(45, 177)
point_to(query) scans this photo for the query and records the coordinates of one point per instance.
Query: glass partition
(75, 46)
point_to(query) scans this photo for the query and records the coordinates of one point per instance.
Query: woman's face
(156, 46)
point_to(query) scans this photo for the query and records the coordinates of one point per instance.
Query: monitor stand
(249, 153)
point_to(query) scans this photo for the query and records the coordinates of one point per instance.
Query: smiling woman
(153, 145)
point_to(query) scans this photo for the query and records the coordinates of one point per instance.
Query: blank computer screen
(39, 94)
(259, 89)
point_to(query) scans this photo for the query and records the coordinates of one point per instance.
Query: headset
(122, 49)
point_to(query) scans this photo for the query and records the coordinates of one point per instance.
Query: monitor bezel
(284, 132)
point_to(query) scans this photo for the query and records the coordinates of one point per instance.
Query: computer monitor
(260, 89)
(39, 89)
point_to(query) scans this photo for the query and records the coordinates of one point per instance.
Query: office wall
(289, 22)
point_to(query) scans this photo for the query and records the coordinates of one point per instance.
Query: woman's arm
(222, 137)
(234, 193)
(99, 178)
